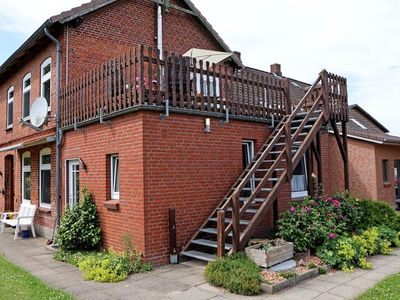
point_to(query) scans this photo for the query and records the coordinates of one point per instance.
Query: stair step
(199, 255)
(211, 230)
(266, 170)
(249, 210)
(210, 243)
(259, 179)
(305, 127)
(228, 220)
(252, 189)
(256, 200)
(272, 160)
(275, 152)
(306, 113)
(301, 120)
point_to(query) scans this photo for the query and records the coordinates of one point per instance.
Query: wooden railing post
(288, 104)
(235, 224)
(325, 93)
(346, 158)
(220, 233)
(141, 75)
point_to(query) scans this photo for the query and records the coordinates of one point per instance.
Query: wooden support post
(288, 147)
(319, 163)
(235, 224)
(220, 233)
(345, 161)
(172, 235)
(309, 171)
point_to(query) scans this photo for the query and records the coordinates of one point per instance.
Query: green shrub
(348, 252)
(311, 265)
(80, 226)
(235, 273)
(377, 213)
(106, 266)
(309, 223)
(288, 274)
(322, 270)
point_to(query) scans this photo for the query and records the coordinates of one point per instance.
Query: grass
(387, 289)
(15, 283)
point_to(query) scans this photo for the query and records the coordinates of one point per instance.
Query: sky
(358, 39)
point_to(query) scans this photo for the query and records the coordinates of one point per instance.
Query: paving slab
(183, 281)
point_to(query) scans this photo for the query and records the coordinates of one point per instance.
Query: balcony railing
(141, 78)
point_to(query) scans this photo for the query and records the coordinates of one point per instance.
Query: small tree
(80, 226)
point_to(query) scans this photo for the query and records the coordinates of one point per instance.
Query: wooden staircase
(233, 222)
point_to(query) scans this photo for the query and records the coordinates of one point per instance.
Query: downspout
(160, 30)
(58, 127)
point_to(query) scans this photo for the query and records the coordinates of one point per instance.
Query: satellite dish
(38, 113)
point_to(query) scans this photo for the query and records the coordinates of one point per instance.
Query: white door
(73, 182)
(299, 180)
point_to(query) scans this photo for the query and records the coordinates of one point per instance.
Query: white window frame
(44, 78)
(25, 169)
(250, 155)
(113, 173)
(10, 100)
(72, 200)
(302, 194)
(26, 89)
(45, 151)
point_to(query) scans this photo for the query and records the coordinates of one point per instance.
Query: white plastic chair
(24, 217)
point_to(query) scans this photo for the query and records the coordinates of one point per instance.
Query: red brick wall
(386, 191)
(94, 144)
(116, 28)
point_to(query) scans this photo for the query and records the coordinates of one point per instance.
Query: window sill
(44, 209)
(387, 184)
(111, 204)
(8, 128)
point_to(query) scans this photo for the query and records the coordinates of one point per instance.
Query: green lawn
(387, 289)
(15, 283)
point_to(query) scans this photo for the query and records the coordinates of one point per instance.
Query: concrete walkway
(183, 281)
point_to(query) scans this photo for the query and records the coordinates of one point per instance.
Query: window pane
(46, 69)
(27, 100)
(46, 159)
(116, 174)
(46, 91)
(45, 186)
(27, 83)
(10, 113)
(11, 94)
(27, 161)
(27, 185)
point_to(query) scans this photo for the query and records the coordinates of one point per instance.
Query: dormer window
(45, 81)
(358, 123)
(26, 96)
(10, 107)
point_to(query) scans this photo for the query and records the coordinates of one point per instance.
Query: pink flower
(292, 210)
(331, 235)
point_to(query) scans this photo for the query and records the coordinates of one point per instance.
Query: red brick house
(374, 158)
(148, 129)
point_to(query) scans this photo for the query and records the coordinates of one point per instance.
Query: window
(26, 176)
(73, 182)
(45, 80)
(299, 181)
(26, 95)
(247, 157)
(114, 171)
(385, 174)
(358, 123)
(45, 177)
(10, 107)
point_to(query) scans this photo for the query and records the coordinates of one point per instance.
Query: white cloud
(357, 39)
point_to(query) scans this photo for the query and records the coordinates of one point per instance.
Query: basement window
(358, 123)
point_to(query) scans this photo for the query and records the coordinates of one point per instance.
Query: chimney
(238, 55)
(276, 69)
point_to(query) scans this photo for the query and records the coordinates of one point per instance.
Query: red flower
(331, 235)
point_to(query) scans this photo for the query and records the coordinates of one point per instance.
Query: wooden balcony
(140, 79)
